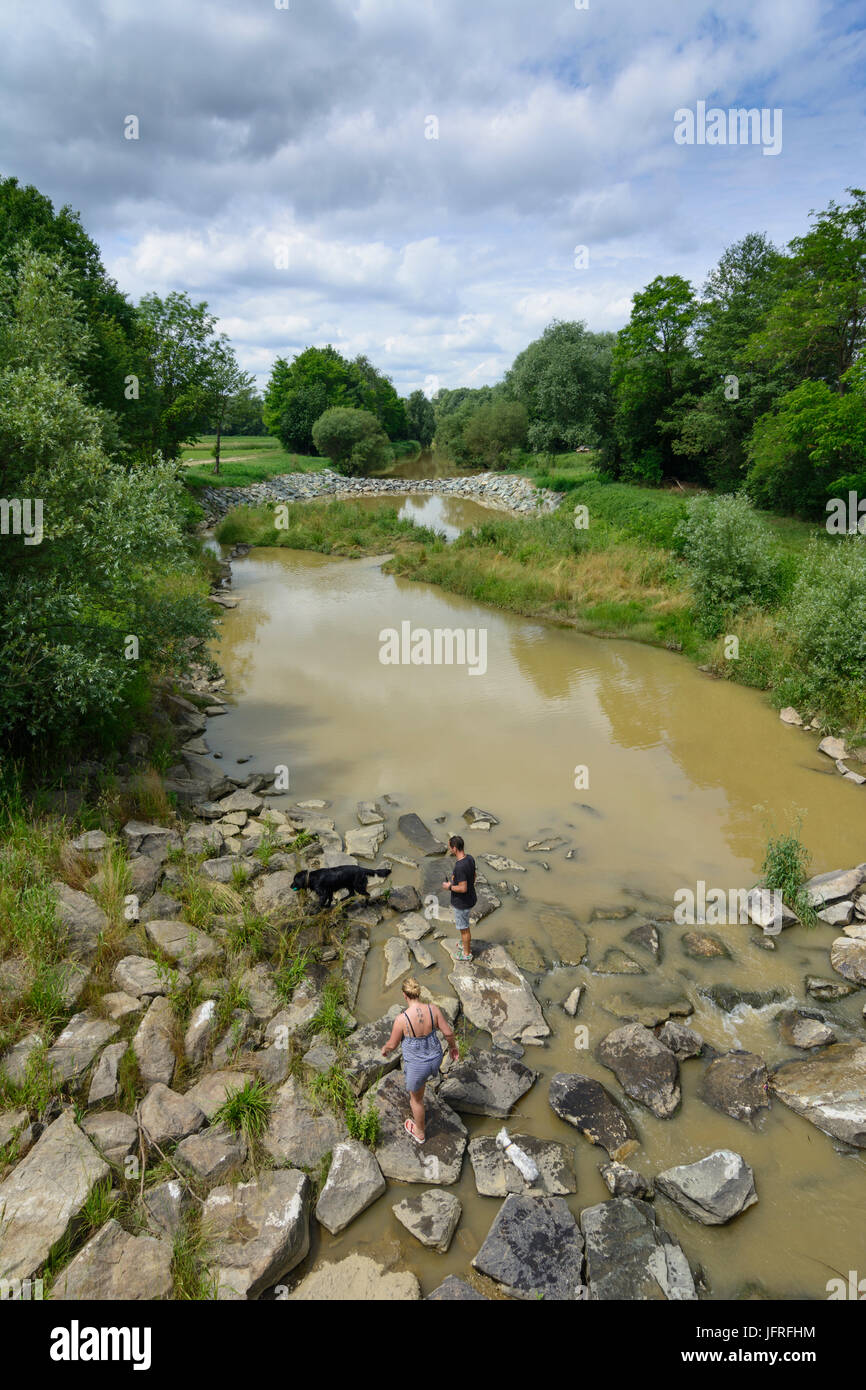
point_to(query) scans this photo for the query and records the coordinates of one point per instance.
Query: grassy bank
(244, 459)
(621, 576)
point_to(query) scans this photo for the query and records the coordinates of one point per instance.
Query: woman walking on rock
(422, 1052)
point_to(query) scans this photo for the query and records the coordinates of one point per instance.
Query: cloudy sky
(286, 168)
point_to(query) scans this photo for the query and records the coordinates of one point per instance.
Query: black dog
(326, 882)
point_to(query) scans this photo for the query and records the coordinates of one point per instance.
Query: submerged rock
(798, 1030)
(625, 1182)
(629, 1257)
(432, 1217)
(714, 1190)
(534, 1249)
(583, 1102)
(486, 1083)
(413, 829)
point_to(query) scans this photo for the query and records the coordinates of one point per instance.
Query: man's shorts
(461, 917)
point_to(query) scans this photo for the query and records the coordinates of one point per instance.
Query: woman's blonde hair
(411, 988)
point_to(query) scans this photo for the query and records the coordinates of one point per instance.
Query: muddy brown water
(687, 776)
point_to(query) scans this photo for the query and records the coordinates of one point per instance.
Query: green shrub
(826, 622)
(731, 558)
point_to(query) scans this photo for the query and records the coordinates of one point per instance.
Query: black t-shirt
(464, 872)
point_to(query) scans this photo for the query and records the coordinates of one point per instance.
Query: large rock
(77, 1046)
(621, 1181)
(154, 1043)
(646, 1069)
(142, 978)
(629, 1258)
(183, 944)
(357, 1279)
(848, 958)
(114, 1133)
(799, 1030)
(274, 893)
(212, 1155)
(365, 1063)
(439, 1159)
(497, 1176)
(534, 1249)
(212, 1091)
(82, 920)
(117, 1265)
(297, 1132)
(143, 838)
(413, 926)
(164, 1207)
(683, 1042)
(104, 1084)
(413, 829)
(200, 1032)
(257, 1231)
(652, 1004)
(354, 1183)
(432, 1217)
(828, 1089)
(364, 843)
(736, 1084)
(397, 960)
(714, 1190)
(583, 1102)
(16, 1061)
(404, 898)
(486, 1083)
(44, 1194)
(838, 884)
(167, 1117)
(495, 995)
(258, 982)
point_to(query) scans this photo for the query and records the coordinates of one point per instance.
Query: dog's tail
(378, 873)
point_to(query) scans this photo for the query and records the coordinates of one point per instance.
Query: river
(687, 777)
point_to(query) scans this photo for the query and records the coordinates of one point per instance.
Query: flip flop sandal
(409, 1126)
(464, 960)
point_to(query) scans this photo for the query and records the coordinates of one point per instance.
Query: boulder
(104, 1084)
(486, 1083)
(164, 1207)
(183, 944)
(829, 1090)
(297, 1132)
(161, 906)
(247, 801)
(114, 1133)
(115, 1265)
(583, 1102)
(404, 898)
(646, 1069)
(81, 919)
(212, 1091)
(365, 842)
(848, 958)
(167, 1117)
(258, 983)
(354, 1183)
(683, 1042)
(736, 1084)
(439, 1159)
(828, 990)
(474, 813)
(120, 1005)
(258, 1231)
(714, 1190)
(534, 1249)
(497, 1176)
(143, 978)
(224, 870)
(143, 838)
(78, 1044)
(357, 1279)
(703, 946)
(274, 892)
(630, 1258)
(15, 1061)
(767, 911)
(44, 1195)
(431, 1217)
(212, 1155)
(413, 927)
(397, 960)
(838, 914)
(365, 1063)
(836, 885)
(648, 1005)
(495, 995)
(200, 1032)
(369, 813)
(413, 829)
(154, 1043)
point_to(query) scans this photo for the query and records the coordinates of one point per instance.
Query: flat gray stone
(495, 994)
(454, 1290)
(183, 944)
(115, 1265)
(630, 1258)
(354, 1183)
(625, 1182)
(298, 1133)
(81, 919)
(413, 829)
(154, 1043)
(497, 1176)
(486, 1083)
(164, 1207)
(829, 1090)
(212, 1155)
(397, 960)
(44, 1194)
(439, 1159)
(104, 1084)
(431, 1217)
(144, 978)
(848, 959)
(534, 1249)
(167, 1117)
(114, 1133)
(78, 1044)
(836, 885)
(647, 1070)
(211, 1091)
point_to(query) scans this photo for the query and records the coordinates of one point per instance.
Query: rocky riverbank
(501, 491)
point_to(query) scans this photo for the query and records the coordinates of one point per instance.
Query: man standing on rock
(463, 895)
